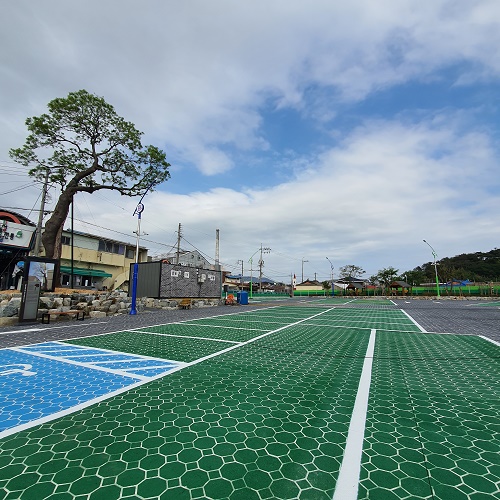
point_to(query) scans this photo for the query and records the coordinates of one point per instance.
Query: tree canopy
(82, 145)
(351, 271)
(477, 266)
(387, 275)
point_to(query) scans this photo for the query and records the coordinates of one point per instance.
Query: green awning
(80, 271)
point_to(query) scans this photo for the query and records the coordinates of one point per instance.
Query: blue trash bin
(243, 298)
(238, 297)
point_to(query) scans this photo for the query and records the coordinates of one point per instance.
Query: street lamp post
(434, 254)
(333, 286)
(139, 209)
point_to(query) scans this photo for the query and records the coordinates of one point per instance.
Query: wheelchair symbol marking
(23, 369)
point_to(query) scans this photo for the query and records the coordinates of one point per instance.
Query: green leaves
(351, 271)
(387, 275)
(86, 146)
(82, 140)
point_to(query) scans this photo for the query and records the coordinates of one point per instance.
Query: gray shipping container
(163, 280)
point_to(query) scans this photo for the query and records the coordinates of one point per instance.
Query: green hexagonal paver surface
(270, 418)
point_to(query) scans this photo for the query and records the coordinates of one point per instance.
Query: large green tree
(350, 271)
(82, 144)
(386, 276)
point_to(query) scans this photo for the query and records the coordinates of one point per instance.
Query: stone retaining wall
(95, 305)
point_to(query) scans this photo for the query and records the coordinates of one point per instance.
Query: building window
(104, 246)
(66, 240)
(111, 247)
(78, 281)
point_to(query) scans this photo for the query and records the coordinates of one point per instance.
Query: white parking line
(348, 480)
(185, 336)
(27, 330)
(76, 363)
(420, 327)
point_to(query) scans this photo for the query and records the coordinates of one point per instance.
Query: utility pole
(179, 235)
(217, 263)
(38, 239)
(333, 285)
(303, 269)
(261, 264)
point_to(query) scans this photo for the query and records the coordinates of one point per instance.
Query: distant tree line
(477, 267)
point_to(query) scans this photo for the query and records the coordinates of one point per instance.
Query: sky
(331, 133)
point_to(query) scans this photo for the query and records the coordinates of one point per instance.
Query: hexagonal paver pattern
(269, 418)
(430, 428)
(254, 422)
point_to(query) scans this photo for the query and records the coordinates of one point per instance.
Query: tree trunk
(51, 237)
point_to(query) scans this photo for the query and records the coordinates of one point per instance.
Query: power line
(18, 189)
(11, 175)
(27, 209)
(119, 232)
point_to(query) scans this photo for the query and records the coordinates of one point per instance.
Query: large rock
(47, 302)
(97, 314)
(58, 302)
(11, 309)
(9, 321)
(113, 308)
(101, 308)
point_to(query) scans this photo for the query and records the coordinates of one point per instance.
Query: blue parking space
(39, 381)
(119, 362)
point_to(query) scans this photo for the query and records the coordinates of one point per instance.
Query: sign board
(16, 235)
(39, 275)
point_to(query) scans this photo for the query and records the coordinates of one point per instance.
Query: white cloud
(370, 201)
(197, 77)
(198, 71)
(212, 161)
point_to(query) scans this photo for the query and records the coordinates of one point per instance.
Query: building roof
(398, 284)
(12, 216)
(350, 279)
(355, 284)
(309, 282)
(98, 237)
(247, 279)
